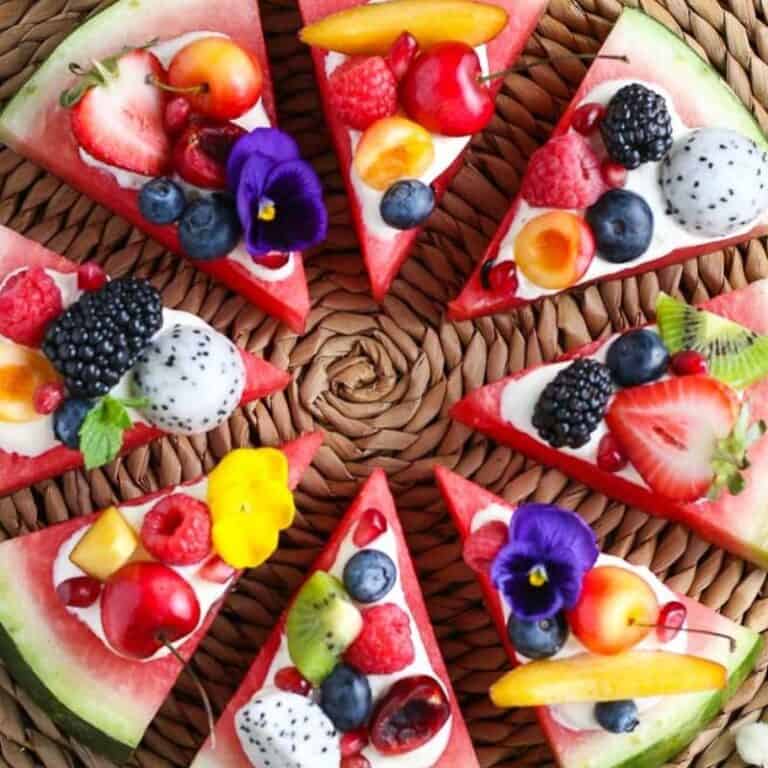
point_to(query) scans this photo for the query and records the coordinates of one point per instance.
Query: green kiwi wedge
(322, 623)
(735, 355)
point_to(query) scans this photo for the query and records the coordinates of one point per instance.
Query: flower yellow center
(538, 576)
(267, 210)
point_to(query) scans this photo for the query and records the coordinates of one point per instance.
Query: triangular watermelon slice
(373, 517)
(18, 471)
(34, 122)
(669, 724)
(103, 699)
(660, 61)
(385, 253)
(738, 523)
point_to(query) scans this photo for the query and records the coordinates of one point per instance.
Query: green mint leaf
(101, 434)
(134, 402)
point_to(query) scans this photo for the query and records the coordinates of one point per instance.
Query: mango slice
(589, 677)
(370, 29)
(106, 546)
(22, 371)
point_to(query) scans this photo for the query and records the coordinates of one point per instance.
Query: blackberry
(637, 127)
(102, 334)
(573, 403)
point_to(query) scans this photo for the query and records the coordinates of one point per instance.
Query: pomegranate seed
(610, 457)
(91, 276)
(401, 54)
(290, 679)
(372, 524)
(355, 761)
(48, 397)
(499, 278)
(614, 174)
(79, 592)
(587, 118)
(274, 259)
(688, 363)
(671, 619)
(177, 113)
(354, 742)
(216, 570)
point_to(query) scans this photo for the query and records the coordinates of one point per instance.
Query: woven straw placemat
(380, 379)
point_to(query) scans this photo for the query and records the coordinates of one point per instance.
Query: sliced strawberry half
(119, 117)
(670, 431)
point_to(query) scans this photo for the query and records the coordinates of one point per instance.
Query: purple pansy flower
(540, 569)
(279, 196)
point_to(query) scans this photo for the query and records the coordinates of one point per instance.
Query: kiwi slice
(322, 623)
(735, 355)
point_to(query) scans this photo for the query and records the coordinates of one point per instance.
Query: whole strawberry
(362, 91)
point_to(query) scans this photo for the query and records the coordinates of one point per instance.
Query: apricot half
(22, 371)
(555, 249)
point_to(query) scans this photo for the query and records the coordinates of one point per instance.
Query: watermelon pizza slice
(402, 89)
(98, 612)
(655, 160)
(352, 675)
(91, 367)
(623, 671)
(144, 103)
(670, 417)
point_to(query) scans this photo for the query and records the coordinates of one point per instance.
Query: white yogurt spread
(447, 149)
(207, 592)
(668, 235)
(579, 716)
(428, 754)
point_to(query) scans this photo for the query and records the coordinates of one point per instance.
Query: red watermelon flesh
(670, 725)
(384, 257)
(738, 523)
(33, 122)
(105, 700)
(375, 494)
(701, 99)
(17, 471)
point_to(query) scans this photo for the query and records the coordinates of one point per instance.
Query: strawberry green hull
(33, 122)
(738, 523)
(384, 257)
(375, 494)
(701, 98)
(670, 726)
(102, 699)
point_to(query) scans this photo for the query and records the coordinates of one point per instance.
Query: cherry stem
(540, 62)
(711, 633)
(191, 90)
(198, 684)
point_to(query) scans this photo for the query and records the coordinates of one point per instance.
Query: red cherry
(441, 91)
(372, 524)
(499, 278)
(216, 570)
(200, 155)
(688, 363)
(177, 113)
(290, 679)
(355, 761)
(610, 457)
(614, 174)
(91, 276)
(354, 742)
(587, 118)
(48, 397)
(144, 605)
(671, 619)
(401, 54)
(80, 592)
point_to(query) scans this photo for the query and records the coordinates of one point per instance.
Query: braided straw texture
(380, 380)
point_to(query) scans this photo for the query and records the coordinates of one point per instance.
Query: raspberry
(29, 300)
(363, 90)
(564, 173)
(481, 548)
(177, 530)
(384, 645)
(49, 397)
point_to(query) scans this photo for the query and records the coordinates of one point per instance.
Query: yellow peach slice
(370, 29)
(22, 371)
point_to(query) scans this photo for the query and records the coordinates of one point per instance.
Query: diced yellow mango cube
(106, 546)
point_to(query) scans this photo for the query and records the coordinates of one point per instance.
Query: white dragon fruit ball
(715, 182)
(284, 730)
(192, 377)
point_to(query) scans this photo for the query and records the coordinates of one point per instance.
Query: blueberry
(209, 228)
(345, 696)
(637, 357)
(538, 639)
(161, 201)
(617, 716)
(406, 204)
(369, 575)
(622, 223)
(69, 418)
